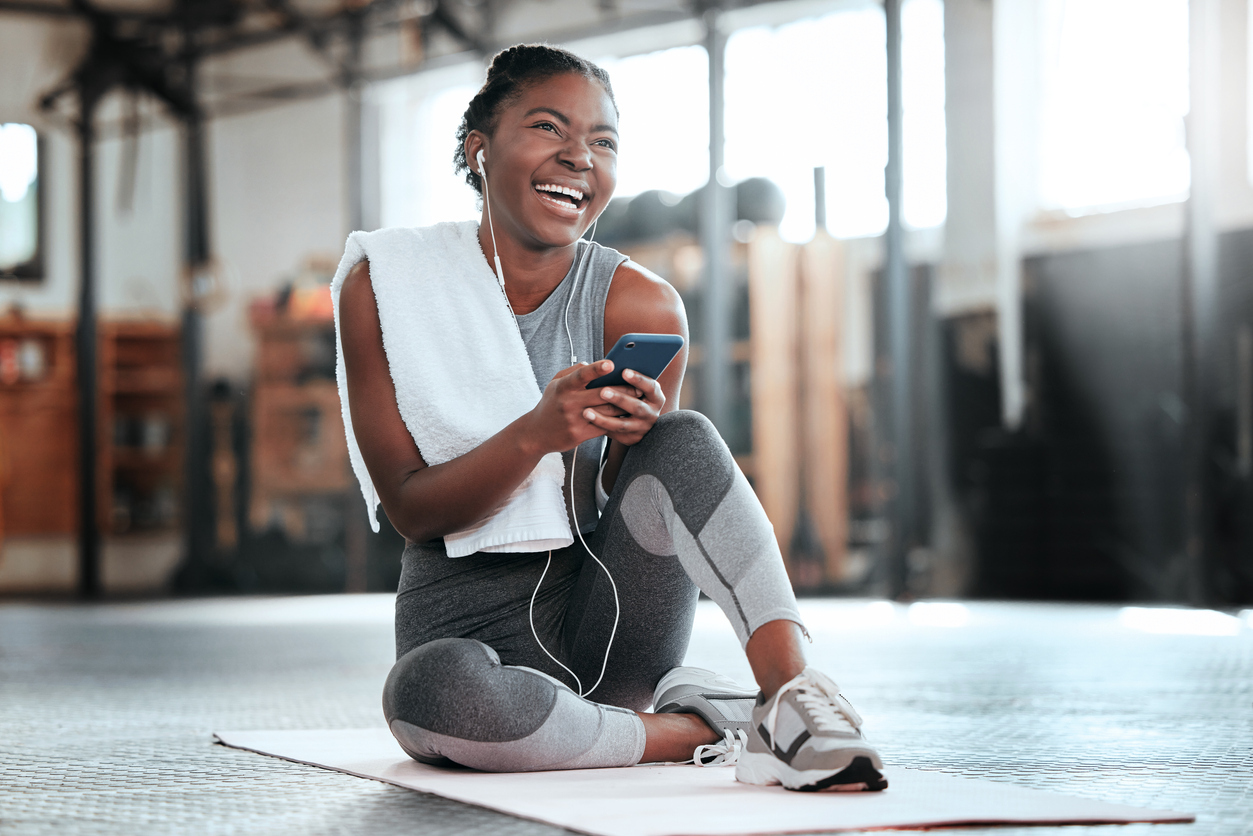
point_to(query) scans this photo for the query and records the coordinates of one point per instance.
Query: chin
(558, 234)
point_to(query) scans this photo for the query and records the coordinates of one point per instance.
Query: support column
(198, 522)
(1016, 63)
(86, 344)
(362, 152)
(1199, 288)
(715, 239)
(898, 295)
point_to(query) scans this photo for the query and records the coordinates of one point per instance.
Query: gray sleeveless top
(544, 333)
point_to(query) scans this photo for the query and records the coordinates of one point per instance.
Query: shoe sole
(860, 775)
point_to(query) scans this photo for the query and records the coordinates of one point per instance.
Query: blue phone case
(648, 354)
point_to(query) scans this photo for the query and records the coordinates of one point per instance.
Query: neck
(532, 272)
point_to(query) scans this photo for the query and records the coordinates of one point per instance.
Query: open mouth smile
(563, 198)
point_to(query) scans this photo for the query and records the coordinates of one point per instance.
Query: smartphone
(648, 354)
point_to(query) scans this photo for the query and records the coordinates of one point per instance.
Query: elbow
(414, 527)
(419, 517)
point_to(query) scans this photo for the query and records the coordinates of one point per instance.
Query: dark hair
(511, 71)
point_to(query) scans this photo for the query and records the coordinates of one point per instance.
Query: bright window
(419, 120)
(806, 94)
(814, 93)
(1115, 94)
(19, 200)
(663, 99)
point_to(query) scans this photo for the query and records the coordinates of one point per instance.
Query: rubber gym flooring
(107, 711)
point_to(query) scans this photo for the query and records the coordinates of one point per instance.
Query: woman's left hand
(629, 411)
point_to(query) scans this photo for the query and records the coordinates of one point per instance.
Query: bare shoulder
(641, 301)
(357, 289)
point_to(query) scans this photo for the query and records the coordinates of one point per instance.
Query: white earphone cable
(491, 228)
(531, 617)
(500, 276)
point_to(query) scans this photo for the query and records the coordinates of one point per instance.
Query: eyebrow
(565, 120)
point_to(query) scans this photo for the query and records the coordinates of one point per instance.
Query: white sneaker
(808, 737)
(719, 701)
(723, 703)
(726, 752)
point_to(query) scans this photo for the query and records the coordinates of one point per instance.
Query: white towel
(460, 369)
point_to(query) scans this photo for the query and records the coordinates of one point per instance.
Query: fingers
(649, 389)
(628, 400)
(590, 371)
(613, 426)
(585, 372)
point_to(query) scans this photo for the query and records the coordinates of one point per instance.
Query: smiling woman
(504, 623)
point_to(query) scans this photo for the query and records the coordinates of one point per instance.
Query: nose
(576, 155)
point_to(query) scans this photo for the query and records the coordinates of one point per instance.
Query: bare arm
(428, 501)
(640, 302)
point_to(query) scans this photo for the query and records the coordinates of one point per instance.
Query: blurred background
(970, 281)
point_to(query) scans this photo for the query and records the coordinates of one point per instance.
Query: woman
(472, 683)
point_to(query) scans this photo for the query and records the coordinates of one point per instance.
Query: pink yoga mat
(676, 800)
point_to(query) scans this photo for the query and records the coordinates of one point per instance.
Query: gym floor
(107, 711)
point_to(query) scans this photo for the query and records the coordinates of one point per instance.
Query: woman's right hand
(560, 419)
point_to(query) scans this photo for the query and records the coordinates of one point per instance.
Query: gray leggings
(471, 686)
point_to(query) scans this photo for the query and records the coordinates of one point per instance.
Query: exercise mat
(674, 800)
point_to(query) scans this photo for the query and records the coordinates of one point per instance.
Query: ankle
(673, 737)
(775, 654)
(771, 682)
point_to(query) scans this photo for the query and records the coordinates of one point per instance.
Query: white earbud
(500, 271)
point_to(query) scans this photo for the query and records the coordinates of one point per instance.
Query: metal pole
(198, 524)
(1199, 289)
(85, 345)
(896, 275)
(353, 90)
(820, 197)
(360, 216)
(715, 236)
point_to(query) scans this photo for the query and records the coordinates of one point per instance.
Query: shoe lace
(726, 752)
(822, 699)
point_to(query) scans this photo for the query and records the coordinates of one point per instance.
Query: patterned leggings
(471, 686)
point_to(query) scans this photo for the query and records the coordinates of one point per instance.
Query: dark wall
(1086, 501)
(1104, 347)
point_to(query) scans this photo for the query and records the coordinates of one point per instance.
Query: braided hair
(510, 72)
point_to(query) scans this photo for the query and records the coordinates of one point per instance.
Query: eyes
(552, 128)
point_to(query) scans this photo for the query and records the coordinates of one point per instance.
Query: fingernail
(628, 374)
(589, 414)
(608, 393)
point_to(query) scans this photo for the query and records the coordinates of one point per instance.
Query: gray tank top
(544, 333)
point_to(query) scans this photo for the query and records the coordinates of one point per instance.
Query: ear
(475, 142)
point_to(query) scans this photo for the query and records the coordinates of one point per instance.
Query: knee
(459, 688)
(431, 670)
(687, 433)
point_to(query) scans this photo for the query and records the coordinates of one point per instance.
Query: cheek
(607, 179)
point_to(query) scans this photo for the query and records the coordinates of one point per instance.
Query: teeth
(574, 193)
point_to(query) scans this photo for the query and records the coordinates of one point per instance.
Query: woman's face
(552, 160)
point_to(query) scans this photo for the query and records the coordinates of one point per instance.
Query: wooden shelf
(299, 452)
(141, 381)
(138, 457)
(39, 424)
(139, 486)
